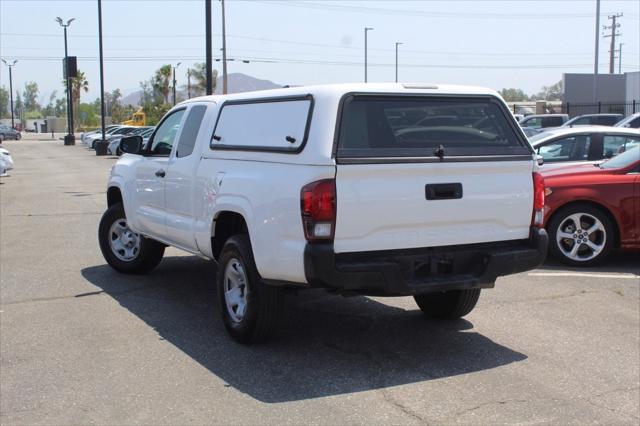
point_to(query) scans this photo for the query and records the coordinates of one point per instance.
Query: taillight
(538, 200)
(318, 207)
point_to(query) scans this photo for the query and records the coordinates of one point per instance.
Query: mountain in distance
(237, 83)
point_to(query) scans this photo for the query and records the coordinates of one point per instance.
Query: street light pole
(69, 138)
(595, 62)
(397, 44)
(366, 29)
(224, 53)
(13, 124)
(103, 109)
(208, 48)
(174, 82)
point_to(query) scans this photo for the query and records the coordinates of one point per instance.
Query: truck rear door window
(386, 126)
(279, 124)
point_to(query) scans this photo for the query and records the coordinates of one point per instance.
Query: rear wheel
(18, 136)
(250, 308)
(448, 304)
(580, 235)
(124, 250)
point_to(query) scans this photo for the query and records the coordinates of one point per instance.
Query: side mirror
(131, 144)
(540, 160)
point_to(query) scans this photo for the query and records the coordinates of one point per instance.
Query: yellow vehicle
(137, 119)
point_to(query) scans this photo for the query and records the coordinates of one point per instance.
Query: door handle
(160, 173)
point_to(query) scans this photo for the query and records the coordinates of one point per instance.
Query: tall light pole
(69, 138)
(397, 44)
(366, 29)
(595, 62)
(174, 82)
(10, 65)
(103, 109)
(224, 53)
(208, 48)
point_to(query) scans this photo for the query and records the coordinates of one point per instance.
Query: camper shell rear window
(387, 126)
(268, 124)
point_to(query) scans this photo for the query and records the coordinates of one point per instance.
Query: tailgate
(430, 171)
(385, 206)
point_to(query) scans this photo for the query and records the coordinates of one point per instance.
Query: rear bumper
(423, 270)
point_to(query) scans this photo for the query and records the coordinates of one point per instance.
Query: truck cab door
(150, 215)
(179, 180)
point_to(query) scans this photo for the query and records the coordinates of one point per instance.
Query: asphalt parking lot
(81, 344)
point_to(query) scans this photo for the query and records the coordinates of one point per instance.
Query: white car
(583, 144)
(114, 142)
(333, 187)
(6, 162)
(85, 135)
(632, 121)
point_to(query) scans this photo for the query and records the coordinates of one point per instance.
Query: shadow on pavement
(329, 345)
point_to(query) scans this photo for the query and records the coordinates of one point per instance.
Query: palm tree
(162, 81)
(79, 84)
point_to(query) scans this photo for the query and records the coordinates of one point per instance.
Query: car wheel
(124, 250)
(18, 136)
(580, 235)
(448, 304)
(250, 308)
(1, 138)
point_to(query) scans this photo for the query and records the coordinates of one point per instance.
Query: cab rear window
(385, 126)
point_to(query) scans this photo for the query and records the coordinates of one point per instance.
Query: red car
(593, 208)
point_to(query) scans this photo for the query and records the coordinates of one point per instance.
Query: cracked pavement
(82, 344)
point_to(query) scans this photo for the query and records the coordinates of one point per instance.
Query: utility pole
(595, 63)
(224, 53)
(612, 50)
(620, 58)
(174, 82)
(366, 29)
(397, 44)
(209, 70)
(13, 124)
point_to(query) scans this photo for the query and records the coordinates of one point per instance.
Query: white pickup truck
(377, 189)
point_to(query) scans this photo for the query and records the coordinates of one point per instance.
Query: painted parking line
(621, 276)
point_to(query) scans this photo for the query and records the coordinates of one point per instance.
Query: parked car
(590, 211)
(584, 144)
(97, 131)
(317, 187)
(7, 133)
(632, 121)
(542, 121)
(89, 138)
(117, 133)
(114, 141)
(6, 162)
(594, 120)
(530, 131)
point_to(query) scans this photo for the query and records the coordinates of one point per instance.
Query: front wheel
(250, 308)
(124, 250)
(580, 235)
(448, 304)
(18, 136)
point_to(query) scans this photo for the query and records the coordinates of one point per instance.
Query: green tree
(31, 96)
(50, 109)
(513, 95)
(18, 105)
(61, 107)
(555, 92)
(198, 77)
(4, 103)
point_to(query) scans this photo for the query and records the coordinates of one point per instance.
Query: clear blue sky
(517, 43)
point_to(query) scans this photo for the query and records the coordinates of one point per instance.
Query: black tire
(148, 255)
(560, 222)
(448, 304)
(1, 138)
(264, 303)
(18, 136)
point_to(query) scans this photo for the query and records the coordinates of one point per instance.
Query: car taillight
(538, 200)
(318, 207)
